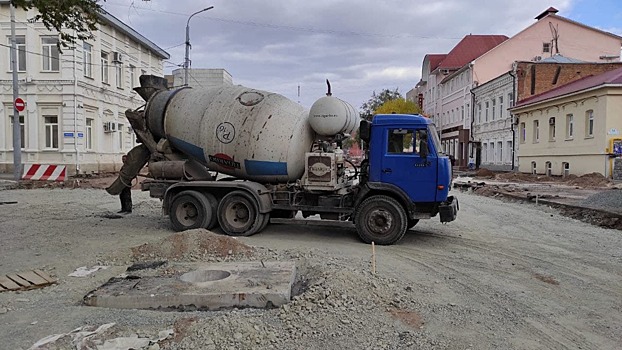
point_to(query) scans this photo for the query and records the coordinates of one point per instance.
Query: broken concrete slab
(202, 286)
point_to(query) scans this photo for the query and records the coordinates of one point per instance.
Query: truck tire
(238, 214)
(189, 210)
(381, 219)
(213, 205)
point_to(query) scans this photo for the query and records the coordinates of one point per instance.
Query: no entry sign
(19, 104)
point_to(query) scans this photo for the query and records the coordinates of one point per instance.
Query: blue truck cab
(406, 162)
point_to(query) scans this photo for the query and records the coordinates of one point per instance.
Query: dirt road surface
(503, 276)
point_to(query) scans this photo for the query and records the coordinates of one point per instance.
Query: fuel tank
(247, 133)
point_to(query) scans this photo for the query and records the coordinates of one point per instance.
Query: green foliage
(399, 106)
(65, 16)
(369, 108)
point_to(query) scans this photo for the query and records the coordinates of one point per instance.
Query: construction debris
(25, 280)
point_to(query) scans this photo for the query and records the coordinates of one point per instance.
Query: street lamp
(187, 60)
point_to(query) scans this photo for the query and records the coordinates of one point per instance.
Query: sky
(360, 46)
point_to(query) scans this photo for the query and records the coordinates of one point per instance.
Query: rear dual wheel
(238, 214)
(193, 209)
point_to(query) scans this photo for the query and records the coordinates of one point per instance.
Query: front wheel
(381, 219)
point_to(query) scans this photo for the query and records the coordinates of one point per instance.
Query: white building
(201, 77)
(75, 100)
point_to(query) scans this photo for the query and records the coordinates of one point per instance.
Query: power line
(293, 28)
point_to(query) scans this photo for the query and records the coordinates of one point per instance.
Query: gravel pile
(340, 305)
(608, 200)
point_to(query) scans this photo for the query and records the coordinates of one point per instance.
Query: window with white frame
(501, 111)
(589, 123)
(485, 152)
(51, 131)
(132, 76)
(462, 112)
(22, 132)
(511, 100)
(104, 67)
(486, 113)
(88, 134)
(552, 129)
(50, 54)
(119, 75)
(508, 151)
(494, 103)
(493, 153)
(536, 131)
(569, 126)
(87, 60)
(20, 42)
(479, 113)
(546, 47)
(121, 133)
(500, 151)
(523, 132)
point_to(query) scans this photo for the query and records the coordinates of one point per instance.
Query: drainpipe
(75, 109)
(513, 75)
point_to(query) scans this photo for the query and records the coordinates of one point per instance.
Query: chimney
(549, 11)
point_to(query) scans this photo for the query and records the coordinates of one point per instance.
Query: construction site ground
(507, 274)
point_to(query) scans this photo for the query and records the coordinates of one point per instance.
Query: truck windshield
(434, 136)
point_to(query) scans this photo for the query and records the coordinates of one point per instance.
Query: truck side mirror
(364, 130)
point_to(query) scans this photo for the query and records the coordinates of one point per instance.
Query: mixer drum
(247, 133)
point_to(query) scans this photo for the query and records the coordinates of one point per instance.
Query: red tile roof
(435, 60)
(591, 81)
(470, 48)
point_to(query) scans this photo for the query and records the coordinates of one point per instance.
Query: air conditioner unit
(117, 57)
(110, 127)
(552, 121)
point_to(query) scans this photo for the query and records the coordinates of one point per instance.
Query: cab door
(404, 166)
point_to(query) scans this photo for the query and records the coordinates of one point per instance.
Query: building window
(485, 152)
(486, 114)
(500, 151)
(120, 128)
(508, 151)
(589, 123)
(493, 154)
(479, 113)
(51, 131)
(501, 111)
(546, 47)
(536, 131)
(494, 104)
(20, 42)
(104, 69)
(89, 134)
(533, 168)
(132, 76)
(87, 60)
(565, 169)
(462, 112)
(522, 133)
(511, 99)
(51, 59)
(119, 74)
(552, 129)
(22, 132)
(569, 126)
(548, 168)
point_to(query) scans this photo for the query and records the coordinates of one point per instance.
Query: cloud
(360, 46)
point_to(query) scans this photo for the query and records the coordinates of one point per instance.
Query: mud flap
(448, 210)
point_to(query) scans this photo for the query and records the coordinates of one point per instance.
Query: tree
(369, 108)
(65, 16)
(398, 105)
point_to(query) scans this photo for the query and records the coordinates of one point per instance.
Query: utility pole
(187, 59)
(17, 138)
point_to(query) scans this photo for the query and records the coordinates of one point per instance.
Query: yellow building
(571, 129)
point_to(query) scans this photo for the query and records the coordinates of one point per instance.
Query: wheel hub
(380, 221)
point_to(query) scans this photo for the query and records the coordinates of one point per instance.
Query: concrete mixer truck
(240, 158)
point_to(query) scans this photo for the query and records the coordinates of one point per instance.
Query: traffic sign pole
(17, 135)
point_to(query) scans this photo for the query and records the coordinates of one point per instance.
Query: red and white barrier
(44, 172)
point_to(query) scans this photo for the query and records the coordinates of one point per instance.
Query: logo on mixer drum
(224, 161)
(225, 132)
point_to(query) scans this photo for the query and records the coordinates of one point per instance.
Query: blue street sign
(68, 134)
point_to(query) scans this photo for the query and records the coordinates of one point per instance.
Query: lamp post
(186, 59)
